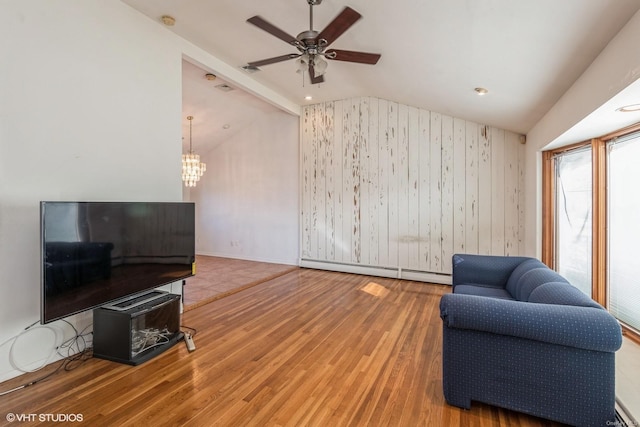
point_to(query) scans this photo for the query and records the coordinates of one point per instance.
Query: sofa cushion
(561, 293)
(488, 270)
(516, 275)
(533, 278)
(483, 291)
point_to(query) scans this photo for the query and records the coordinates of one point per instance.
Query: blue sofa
(517, 335)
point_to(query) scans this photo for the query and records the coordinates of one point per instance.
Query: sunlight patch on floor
(372, 288)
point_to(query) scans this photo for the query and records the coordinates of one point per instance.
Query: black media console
(135, 330)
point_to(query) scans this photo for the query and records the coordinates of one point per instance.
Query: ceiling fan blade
(339, 25)
(272, 29)
(274, 60)
(351, 56)
(312, 75)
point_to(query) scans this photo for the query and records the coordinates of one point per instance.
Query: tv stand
(139, 333)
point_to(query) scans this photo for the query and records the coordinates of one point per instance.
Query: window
(623, 207)
(573, 217)
(591, 220)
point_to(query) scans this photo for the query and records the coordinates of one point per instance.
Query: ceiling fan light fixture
(302, 63)
(319, 65)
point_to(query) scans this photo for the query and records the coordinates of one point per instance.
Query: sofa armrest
(587, 328)
(487, 270)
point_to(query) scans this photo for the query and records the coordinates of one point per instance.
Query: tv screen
(96, 252)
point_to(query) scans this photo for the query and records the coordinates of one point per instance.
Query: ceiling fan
(312, 45)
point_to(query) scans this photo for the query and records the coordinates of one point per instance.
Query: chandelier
(192, 167)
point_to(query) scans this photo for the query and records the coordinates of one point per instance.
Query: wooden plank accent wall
(391, 186)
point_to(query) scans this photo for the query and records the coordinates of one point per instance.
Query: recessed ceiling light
(224, 87)
(308, 97)
(226, 126)
(629, 108)
(481, 91)
(210, 76)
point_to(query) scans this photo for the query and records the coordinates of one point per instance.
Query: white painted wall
(615, 69)
(90, 109)
(389, 186)
(247, 201)
(85, 114)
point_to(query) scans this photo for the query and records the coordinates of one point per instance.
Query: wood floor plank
(310, 348)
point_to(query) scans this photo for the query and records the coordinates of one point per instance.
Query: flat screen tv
(94, 253)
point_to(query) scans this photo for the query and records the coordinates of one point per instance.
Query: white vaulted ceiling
(218, 113)
(527, 53)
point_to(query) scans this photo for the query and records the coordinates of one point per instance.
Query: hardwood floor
(308, 348)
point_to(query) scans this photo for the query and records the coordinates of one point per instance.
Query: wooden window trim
(624, 131)
(548, 210)
(631, 334)
(599, 222)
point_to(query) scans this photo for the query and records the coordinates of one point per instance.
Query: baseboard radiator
(624, 417)
(370, 270)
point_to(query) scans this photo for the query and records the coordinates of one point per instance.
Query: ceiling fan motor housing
(308, 37)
